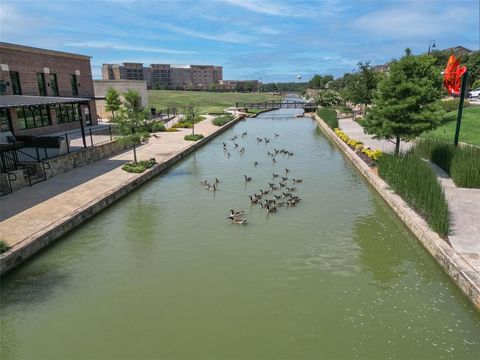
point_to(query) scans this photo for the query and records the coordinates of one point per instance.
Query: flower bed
(369, 156)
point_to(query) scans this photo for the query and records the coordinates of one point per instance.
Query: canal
(162, 274)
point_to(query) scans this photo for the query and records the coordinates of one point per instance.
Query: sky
(252, 39)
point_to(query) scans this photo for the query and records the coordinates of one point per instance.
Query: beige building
(166, 75)
(240, 85)
(101, 87)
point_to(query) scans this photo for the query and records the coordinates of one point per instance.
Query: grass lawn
(469, 131)
(207, 102)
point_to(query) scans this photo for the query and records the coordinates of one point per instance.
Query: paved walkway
(464, 204)
(29, 210)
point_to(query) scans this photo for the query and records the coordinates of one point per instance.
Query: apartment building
(44, 91)
(165, 75)
(239, 85)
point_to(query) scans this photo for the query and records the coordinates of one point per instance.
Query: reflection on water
(162, 274)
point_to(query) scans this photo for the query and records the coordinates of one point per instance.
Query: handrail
(9, 180)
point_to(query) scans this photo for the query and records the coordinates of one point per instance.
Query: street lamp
(431, 46)
(259, 84)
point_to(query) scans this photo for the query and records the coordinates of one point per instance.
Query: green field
(207, 102)
(469, 131)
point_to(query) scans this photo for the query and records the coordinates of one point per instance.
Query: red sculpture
(453, 75)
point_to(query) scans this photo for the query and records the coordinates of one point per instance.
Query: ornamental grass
(329, 116)
(415, 181)
(222, 120)
(461, 163)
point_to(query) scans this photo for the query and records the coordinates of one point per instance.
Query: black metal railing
(165, 114)
(9, 177)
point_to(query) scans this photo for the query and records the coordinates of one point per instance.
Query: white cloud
(115, 46)
(230, 37)
(261, 7)
(411, 21)
(13, 23)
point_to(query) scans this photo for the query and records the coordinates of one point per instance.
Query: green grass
(193, 137)
(415, 181)
(139, 167)
(462, 163)
(329, 116)
(222, 120)
(469, 131)
(207, 102)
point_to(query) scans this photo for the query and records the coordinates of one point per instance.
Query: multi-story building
(44, 91)
(165, 75)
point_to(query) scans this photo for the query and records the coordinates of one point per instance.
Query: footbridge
(278, 104)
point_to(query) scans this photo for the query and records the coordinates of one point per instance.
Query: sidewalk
(31, 210)
(464, 204)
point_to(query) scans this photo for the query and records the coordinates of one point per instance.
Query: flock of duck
(280, 192)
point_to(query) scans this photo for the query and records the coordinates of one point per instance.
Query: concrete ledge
(37, 241)
(460, 271)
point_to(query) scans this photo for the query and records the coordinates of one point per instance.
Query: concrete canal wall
(460, 271)
(39, 239)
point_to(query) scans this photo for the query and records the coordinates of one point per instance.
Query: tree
(328, 98)
(112, 101)
(360, 86)
(406, 103)
(191, 113)
(132, 121)
(319, 81)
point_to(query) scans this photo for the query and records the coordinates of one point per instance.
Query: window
(42, 89)
(33, 117)
(73, 82)
(54, 84)
(67, 113)
(15, 80)
(4, 123)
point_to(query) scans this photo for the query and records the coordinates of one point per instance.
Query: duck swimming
(247, 178)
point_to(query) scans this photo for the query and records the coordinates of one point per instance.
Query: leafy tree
(361, 86)
(473, 66)
(406, 103)
(319, 81)
(132, 121)
(328, 98)
(112, 101)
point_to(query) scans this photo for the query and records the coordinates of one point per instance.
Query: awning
(8, 101)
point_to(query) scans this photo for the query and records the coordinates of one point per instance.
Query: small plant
(183, 125)
(138, 167)
(329, 116)
(172, 129)
(415, 181)
(3, 246)
(222, 120)
(452, 105)
(193, 137)
(157, 126)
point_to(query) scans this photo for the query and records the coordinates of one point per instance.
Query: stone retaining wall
(460, 271)
(67, 162)
(28, 247)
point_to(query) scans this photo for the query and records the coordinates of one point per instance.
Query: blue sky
(251, 39)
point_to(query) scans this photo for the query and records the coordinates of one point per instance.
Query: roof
(31, 49)
(8, 101)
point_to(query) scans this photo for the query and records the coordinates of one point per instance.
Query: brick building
(44, 91)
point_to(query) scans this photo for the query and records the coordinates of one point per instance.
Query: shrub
(138, 167)
(415, 181)
(183, 124)
(222, 120)
(157, 126)
(172, 129)
(452, 105)
(329, 116)
(193, 137)
(461, 163)
(328, 98)
(3, 246)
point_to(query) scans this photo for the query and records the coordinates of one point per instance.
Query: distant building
(101, 87)
(458, 50)
(44, 91)
(239, 85)
(196, 77)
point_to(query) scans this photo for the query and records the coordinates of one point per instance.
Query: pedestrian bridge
(278, 104)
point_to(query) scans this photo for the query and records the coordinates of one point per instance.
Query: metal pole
(91, 137)
(82, 128)
(460, 107)
(110, 131)
(68, 145)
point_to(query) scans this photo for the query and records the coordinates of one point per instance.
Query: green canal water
(162, 274)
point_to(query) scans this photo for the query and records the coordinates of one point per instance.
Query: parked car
(475, 93)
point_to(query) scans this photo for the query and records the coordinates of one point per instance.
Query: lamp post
(259, 84)
(431, 46)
